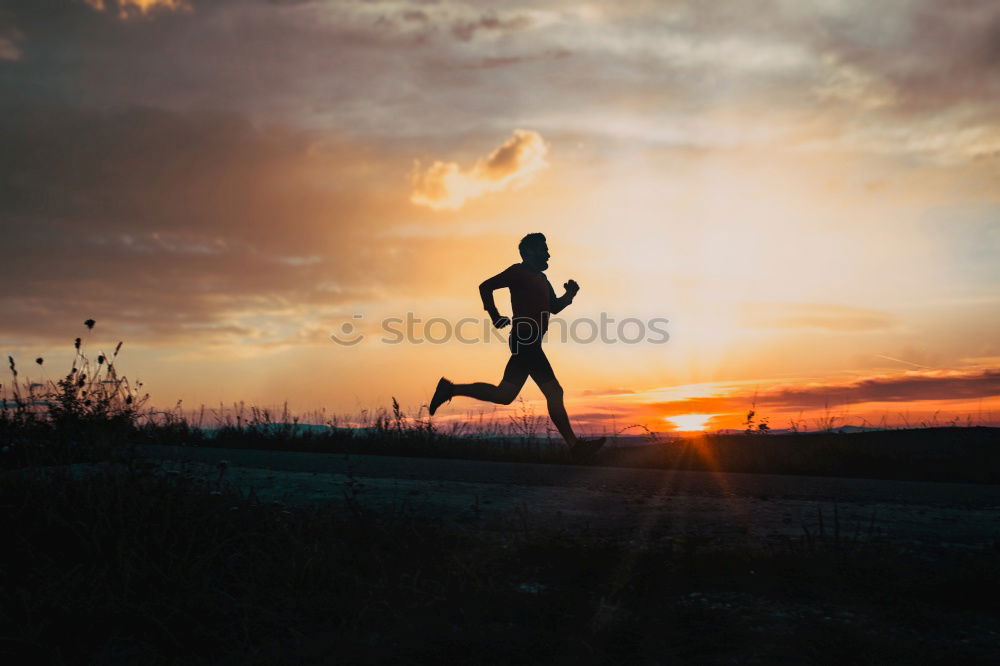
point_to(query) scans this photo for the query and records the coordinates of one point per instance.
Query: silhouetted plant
(88, 413)
(751, 424)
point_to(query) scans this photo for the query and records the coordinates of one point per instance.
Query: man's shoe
(584, 449)
(442, 394)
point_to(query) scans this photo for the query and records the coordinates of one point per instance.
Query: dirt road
(642, 504)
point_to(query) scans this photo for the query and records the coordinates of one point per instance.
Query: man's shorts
(527, 360)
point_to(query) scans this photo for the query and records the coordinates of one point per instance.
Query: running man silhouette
(532, 299)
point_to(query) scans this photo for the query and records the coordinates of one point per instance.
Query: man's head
(534, 251)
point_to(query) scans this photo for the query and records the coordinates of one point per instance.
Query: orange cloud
(609, 391)
(446, 186)
(911, 386)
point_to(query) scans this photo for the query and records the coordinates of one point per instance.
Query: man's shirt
(531, 295)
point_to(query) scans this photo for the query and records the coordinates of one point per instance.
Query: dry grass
(95, 413)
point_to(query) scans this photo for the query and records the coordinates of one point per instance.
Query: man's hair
(529, 240)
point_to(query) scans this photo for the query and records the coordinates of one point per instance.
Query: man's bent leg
(502, 393)
(553, 393)
(514, 376)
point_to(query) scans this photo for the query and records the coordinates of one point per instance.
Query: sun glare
(689, 422)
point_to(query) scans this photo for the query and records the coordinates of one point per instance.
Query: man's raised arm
(486, 289)
(559, 303)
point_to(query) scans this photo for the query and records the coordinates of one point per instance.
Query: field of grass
(955, 453)
(95, 413)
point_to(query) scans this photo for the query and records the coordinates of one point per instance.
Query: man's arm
(486, 289)
(559, 303)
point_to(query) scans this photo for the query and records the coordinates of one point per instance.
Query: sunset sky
(806, 189)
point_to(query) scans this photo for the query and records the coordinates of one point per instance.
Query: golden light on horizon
(689, 422)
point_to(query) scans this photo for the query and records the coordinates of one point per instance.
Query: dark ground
(159, 564)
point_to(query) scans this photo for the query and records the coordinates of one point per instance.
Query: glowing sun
(690, 421)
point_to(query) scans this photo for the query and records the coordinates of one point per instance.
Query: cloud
(204, 228)
(933, 55)
(706, 74)
(608, 391)
(495, 62)
(906, 387)
(177, 227)
(127, 8)
(446, 186)
(936, 385)
(466, 30)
